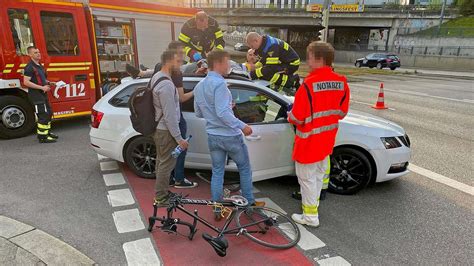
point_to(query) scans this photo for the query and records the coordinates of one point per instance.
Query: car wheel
(17, 118)
(393, 68)
(379, 66)
(140, 156)
(351, 171)
(358, 64)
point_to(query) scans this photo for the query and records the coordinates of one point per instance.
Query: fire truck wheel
(17, 118)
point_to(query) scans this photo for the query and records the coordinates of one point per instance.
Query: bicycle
(262, 225)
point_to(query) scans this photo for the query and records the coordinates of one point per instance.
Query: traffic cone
(381, 100)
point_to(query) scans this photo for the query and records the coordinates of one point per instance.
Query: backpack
(142, 110)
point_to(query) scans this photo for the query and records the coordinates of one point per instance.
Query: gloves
(197, 57)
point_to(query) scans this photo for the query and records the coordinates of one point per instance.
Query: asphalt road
(412, 220)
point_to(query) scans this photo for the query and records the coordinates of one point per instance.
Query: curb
(22, 244)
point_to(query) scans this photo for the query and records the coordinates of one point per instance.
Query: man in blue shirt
(213, 102)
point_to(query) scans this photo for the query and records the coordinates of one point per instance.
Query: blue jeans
(234, 147)
(178, 172)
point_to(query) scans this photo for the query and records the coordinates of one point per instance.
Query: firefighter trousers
(310, 178)
(44, 114)
(280, 75)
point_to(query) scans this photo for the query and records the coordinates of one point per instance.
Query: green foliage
(466, 8)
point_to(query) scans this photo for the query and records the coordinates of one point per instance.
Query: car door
(371, 60)
(271, 144)
(365, 61)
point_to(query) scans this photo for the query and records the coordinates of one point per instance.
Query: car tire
(140, 156)
(393, 68)
(379, 66)
(358, 64)
(351, 171)
(17, 118)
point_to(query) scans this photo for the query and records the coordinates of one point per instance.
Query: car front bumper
(387, 158)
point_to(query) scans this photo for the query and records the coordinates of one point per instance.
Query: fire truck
(85, 43)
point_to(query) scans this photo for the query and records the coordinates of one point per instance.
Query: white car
(368, 148)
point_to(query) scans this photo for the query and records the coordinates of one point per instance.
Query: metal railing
(462, 51)
(433, 32)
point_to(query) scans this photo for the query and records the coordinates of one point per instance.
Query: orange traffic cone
(380, 101)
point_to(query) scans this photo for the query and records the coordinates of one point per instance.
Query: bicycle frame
(169, 220)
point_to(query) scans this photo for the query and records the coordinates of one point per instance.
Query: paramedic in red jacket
(320, 103)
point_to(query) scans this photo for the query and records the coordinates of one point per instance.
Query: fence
(434, 32)
(461, 51)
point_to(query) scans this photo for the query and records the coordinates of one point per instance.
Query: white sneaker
(302, 219)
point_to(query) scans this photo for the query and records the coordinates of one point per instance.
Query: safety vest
(320, 103)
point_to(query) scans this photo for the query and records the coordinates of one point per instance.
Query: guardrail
(462, 51)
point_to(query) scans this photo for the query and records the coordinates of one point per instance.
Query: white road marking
(308, 240)
(101, 157)
(442, 179)
(120, 197)
(369, 104)
(141, 252)
(421, 94)
(114, 179)
(108, 166)
(128, 221)
(270, 204)
(334, 261)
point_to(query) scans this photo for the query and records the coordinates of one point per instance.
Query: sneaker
(302, 219)
(163, 201)
(132, 71)
(259, 204)
(52, 135)
(47, 140)
(185, 184)
(172, 182)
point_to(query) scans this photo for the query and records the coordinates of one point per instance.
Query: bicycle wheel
(268, 227)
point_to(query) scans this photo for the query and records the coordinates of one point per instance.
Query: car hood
(374, 125)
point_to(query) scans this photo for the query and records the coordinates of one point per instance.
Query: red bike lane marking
(179, 250)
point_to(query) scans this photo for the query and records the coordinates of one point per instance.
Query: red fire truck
(85, 43)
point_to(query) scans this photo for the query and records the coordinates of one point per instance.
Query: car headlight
(390, 142)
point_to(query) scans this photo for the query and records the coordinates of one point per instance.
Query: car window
(394, 57)
(370, 56)
(254, 107)
(121, 98)
(189, 105)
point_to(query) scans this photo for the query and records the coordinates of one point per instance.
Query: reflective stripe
(284, 79)
(219, 34)
(328, 171)
(41, 126)
(43, 133)
(187, 50)
(275, 78)
(305, 135)
(293, 118)
(295, 63)
(310, 209)
(323, 114)
(184, 38)
(286, 46)
(273, 61)
(7, 71)
(220, 47)
(258, 72)
(259, 98)
(9, 65)
(258, 65)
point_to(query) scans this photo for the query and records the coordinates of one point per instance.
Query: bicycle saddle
(219, 244)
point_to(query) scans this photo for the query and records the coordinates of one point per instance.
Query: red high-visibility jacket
(316, 129)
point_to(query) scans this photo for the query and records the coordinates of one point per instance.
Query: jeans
(178, 172)
(234, 147)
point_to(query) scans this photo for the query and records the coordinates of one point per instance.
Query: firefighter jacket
(320, 103)
(198, 41)
(275, 56)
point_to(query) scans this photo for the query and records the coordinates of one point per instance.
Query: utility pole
(441, 17)
(325, 21)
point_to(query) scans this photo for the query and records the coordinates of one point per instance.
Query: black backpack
(142, 110)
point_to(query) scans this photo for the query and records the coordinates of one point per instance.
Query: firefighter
(278, 61)
(319, 104)
(35, 79)
(200, 35)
